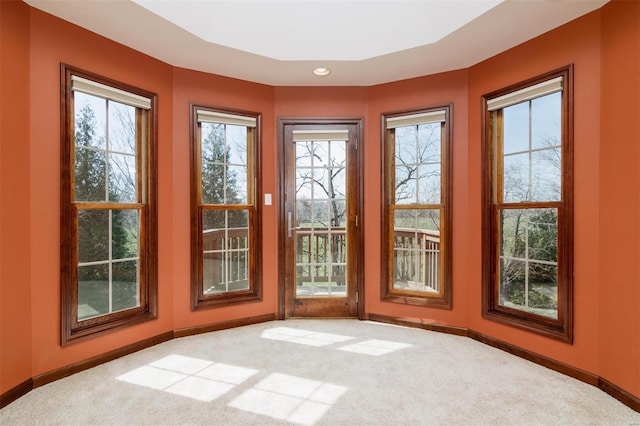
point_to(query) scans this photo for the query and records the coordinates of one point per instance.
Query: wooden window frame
(388, 293)
(73, 330)
(562, 327)
(199, 300)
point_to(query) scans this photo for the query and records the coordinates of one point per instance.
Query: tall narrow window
(108, 206)
(528, 205)
(224, 147)
(416, 190)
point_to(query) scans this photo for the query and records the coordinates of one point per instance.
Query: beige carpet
(325, 372)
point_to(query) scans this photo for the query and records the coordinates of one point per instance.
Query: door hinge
(356, 221)
(356, 144)
(357, 297)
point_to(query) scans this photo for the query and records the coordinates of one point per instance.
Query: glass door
(321, 220)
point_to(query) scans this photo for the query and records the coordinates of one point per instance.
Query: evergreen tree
(219, 184)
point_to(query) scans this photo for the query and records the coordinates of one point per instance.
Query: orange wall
(206, 89)
(15, 274)
(603, 46)
(54, 41)
(426, 91)
(578, 43)
(619, 292)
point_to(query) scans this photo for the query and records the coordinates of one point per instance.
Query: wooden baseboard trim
(407, 322)
(560, 367)
(611, 389)
(16, 392)
(620, 394)
(57, 374)
(190, 331)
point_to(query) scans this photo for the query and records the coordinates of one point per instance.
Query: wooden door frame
(282, 226)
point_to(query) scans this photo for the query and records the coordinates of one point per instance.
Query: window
(416, 257)
(108, 205)
(528, 205)
(225, 231)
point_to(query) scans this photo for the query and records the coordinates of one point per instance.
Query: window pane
(406, 145)
(429, 142)
(513, 227)
(93, 235)
(122, 178)
(213, 220)
(122, 128)
(512, 283)
(90, 175)
(214, 223)
(239, 219)
(124, 234)
(429, 184)
(546, 175)
(212, 144)
(516, 128)
(428, 221)
(406, 184)
(236, 187)
(546, 113)
(213, 183)
(126, 287)
(542, 297)
(543, 234)
(93, 291)
(236, 145)
(226, 251)
(516, 178)
(89, 125)
(417, 250)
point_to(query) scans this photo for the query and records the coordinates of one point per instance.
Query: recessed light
(322, 71)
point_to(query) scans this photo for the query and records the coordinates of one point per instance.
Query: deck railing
(321, 255)
(225, 259)
(416, 259)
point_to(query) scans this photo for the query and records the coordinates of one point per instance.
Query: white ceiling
(280, 42)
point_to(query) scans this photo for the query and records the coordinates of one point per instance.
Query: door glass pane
(320, 219)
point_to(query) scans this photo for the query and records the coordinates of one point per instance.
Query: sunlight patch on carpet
(290, 398)
(189, 377)
(303, 337)
(375, 347)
